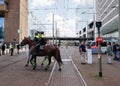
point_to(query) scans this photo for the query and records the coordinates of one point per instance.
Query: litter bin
(89, 56)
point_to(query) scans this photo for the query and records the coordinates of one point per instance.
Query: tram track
(75, 67)
(51, 75)
(69, 59)
(11, 62)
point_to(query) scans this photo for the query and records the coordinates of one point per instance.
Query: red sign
(99, 39)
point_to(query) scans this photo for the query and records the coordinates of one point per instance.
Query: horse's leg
(43, 61)
(32, 61)
(28, 60)
(35, 61)
(49, 62)
(59, 60)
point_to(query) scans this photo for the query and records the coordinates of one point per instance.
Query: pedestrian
(3, 49)
(18, 48)
(109, 53)
(11, 46)
(82, 50)
(118, 50)
(114, 48)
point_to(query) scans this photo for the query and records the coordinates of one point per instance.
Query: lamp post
(53, 28)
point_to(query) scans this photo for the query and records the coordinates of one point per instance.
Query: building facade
(107, 12)
(15, 13)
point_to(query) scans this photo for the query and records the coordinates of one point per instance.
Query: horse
(48, 51)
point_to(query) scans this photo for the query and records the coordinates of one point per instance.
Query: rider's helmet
(41, 32)
(38, 32)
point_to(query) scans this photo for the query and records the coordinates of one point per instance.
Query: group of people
(10, 47)
(39, 40)
(113, 50)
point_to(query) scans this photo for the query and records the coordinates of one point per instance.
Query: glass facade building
(107, 12)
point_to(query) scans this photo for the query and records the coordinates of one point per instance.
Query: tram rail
(10, 62)
(69, 59)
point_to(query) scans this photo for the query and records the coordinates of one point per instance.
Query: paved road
(14, 73)
(69, 75)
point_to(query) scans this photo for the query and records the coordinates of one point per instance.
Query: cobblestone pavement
(68, 76)
(14, 73)
(90, 72)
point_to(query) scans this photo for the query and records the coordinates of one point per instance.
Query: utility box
(89, 56)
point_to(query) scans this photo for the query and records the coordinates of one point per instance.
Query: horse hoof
(34, 67)
(60, 69)
(46, 69)
(26, 65)
(42, 64)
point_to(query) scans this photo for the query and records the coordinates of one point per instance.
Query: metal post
(99, 55)
(56, 31)
(53, 28)
(119, 21)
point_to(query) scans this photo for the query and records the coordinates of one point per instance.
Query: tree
(1, 33)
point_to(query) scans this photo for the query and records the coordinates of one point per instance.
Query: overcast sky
(64, 14)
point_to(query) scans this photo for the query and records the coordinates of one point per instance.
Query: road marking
(84, 83)
(66, 60)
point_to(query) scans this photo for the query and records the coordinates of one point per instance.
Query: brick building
(15, 13)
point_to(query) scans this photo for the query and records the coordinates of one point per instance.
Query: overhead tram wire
(35, 18)
(59, 7)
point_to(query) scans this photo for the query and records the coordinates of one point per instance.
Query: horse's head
(25, 41)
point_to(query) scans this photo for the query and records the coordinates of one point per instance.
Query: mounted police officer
(37, 37)
(42, 40)
(36, 40)
(39, 41)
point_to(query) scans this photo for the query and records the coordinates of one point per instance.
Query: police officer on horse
(39, 41)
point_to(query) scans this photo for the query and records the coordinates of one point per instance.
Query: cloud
(65, 28)
(41, 3)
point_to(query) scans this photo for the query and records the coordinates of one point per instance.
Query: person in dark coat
(3, 49)
(18, 48)
(114, 48)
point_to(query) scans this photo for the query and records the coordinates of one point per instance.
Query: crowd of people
(113, 52)
(39, 39)
(9, 48)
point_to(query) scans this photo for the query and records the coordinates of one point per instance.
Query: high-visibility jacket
(11, 46)
(42, 36)
(42, 39)
(36, 38)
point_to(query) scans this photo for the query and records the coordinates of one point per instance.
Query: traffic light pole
(98, 25)
(119, 21)
(99, 55)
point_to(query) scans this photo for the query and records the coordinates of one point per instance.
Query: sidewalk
(90, 72)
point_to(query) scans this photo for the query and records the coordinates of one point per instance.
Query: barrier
(89, 56)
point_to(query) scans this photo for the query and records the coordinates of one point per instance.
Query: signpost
(99, 40)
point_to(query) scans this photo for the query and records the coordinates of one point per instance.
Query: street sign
(99, 39)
